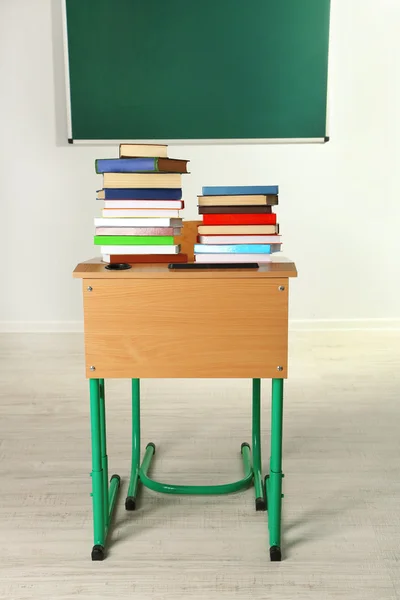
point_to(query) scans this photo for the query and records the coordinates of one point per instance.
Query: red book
(145, 258)
(240, 219)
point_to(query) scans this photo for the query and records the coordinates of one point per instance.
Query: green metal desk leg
(104, 496)
(256, 446)
(97, 472)
(103, 441)
(130, 502)
(274, 482)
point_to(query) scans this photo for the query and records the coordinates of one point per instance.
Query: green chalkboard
(197, 69)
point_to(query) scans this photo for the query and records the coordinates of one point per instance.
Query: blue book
(240, 190)
(139, 194)
(140, 165)
(125, 165)
(232, 248)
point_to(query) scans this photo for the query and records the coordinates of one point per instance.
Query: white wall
(339, 202)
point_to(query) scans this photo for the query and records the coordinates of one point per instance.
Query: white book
(140, 249)
(164, 204)
(134, 231)
(126, 222)
(233, 258)
(113, 213)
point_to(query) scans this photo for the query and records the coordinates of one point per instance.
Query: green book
(134, 240)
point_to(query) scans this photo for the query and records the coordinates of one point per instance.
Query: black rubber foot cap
(260, 504)
(116, 477)
(98, 552)
(243, 445)
(275, 553)
(130, 503)
(154, 446)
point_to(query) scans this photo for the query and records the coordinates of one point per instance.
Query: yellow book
(142, 180)
(143, 150)
(251, 200)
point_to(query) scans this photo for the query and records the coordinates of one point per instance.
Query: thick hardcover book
(138, 231)
(144, 258)
(242, 190)
(149, 150)
(235, 248)
(243, 219)
(99, 222)
(237, 210)
(238, 229)
(140, 249)
(134, 240)
(140, 165)
(139, 194)
(221, 258)
(257, 200)
(142, 180)
(140, 212)
(240, 239)
(177, 204)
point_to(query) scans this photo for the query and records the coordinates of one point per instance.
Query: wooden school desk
(150, 321)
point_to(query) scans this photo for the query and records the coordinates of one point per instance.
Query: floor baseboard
(344, 325)
(41, 326)
(294, 325)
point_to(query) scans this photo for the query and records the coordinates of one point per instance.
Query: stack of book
(142, 193)
(238, 224)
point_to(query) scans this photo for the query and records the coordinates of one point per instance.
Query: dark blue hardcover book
(139, 194)
(240, 190)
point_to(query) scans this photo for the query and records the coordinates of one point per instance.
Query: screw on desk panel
(92, 368)
(89, 288)
(281, 288)
(278, 368)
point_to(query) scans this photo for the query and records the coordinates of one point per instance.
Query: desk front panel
(186, 328)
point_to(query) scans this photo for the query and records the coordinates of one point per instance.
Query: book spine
(142, 194)
(233, 248)
(125, 165)
(127, 249)
(131, 240)
(134, 213)
(142, 180)
(243, 219)
(145, 222)
(238, 229)
(124, 231)
(145, 258)
(216, 258)
(240, 190)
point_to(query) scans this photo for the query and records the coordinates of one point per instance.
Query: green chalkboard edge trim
(189, 142)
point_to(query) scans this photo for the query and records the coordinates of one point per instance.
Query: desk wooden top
(96, 269)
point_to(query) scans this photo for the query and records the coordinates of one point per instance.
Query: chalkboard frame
(183, 141)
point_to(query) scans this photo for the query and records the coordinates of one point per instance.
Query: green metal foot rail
(104, 496)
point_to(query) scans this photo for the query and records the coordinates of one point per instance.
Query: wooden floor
(341, 532)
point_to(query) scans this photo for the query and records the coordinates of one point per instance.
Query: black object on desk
(118, 266)
(213, 266)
